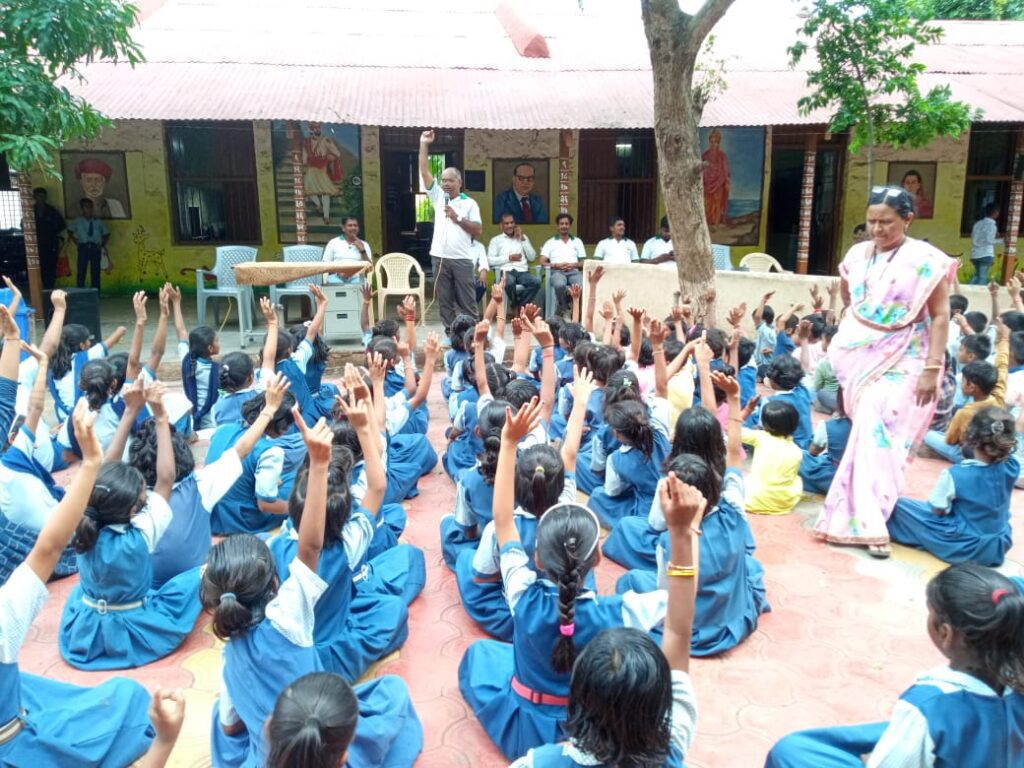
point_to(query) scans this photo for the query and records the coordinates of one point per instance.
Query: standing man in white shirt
(511, 252)
(347, 247)
(984, 237)
(659, 248)
(617, 248)
(456, 222)
(563, 253)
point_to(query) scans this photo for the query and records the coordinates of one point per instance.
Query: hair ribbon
(998, 594)
(567, 630)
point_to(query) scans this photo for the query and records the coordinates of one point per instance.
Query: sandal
(880, 551)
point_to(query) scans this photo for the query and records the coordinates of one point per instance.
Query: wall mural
(331, 176)
(919, 180)
(733, 180)
(99, 177)
(150, 262)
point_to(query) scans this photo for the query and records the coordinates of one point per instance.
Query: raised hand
(164, 298)
(517, 327)
(683, 504)
(139, 305)
(750, 407)
(432, 346)
(356, 384)
(155, 398)
(274, 394)
(36, 352)
(530, 311)
(59, 299)
(575, 291)
(710, 295)
(617, 298)
(356, 411)
(736, 314)
(833, 290)
(175, 294)
(795, 308)
(657, 333)
(519, 425)
(767, 297)
(15, 293)
(803, 330)
(167, 713)
(993, 288)
(541, 332)
(367, 291)
(268, 311)
(318, 294)
(84, 420)
(702, 350)
(134, 396)
(637, 313)
(427, 137)
(727, 384)
(403, 349)
(376, 366)
(607, 311)
(594, 277)
(498, 290)
(319, 438)
(9, 327)
(817, 300)
(583, 385)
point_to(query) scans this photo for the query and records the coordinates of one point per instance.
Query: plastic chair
(299, 287)
(722, 255)
(227, 287)
(760, 262)
(394, 270)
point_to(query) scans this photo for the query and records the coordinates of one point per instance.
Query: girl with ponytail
(631, 474)
(520, 692)
(114, 618)
(543, 477)
(622, 386)
(268, 627)
(314, 722)
(970, 712)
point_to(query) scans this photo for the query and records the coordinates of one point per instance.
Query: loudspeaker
(83, 308)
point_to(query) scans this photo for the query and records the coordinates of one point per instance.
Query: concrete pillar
(803, 246)
(1012, 227)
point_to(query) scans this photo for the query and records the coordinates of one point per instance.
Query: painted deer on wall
(150, 262)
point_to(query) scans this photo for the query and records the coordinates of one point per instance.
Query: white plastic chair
(761, 262)
(227, 287)
(299, 287)
(722, 255)
(392, 272)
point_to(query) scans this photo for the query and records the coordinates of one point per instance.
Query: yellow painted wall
(373, 213)
(149, 190)
(943, 230)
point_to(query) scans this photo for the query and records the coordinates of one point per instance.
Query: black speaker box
(83, 308)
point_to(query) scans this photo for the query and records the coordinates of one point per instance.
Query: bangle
(549, 346)
(684, 571)
(658, 351)
(932, 368)
(502, 318)
(736, 419)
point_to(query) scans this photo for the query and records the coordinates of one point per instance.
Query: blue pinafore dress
(554, 756)
(186, 542)
(394, 382)
(474, 502)
(463, 450)
(238, 511)
(113, 618)
(817, 471)
(638, 478)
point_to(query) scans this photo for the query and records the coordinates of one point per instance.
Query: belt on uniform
(536, 697)
(102, 606)
(11, 729)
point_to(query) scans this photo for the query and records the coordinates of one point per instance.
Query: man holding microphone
(456, 222)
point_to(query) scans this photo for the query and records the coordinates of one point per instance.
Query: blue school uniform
(800, 398)
(65, 391)
(592, 460)
(501, 682)
(630, 477)
(308, 405)
(463, 450)
(449, 382)
(730, 587)
(474, 503)
(394, 382)
(189, 382)
(817, 471)
(228, 407)
(409, 455)
(262, 470)
(747, 377)
(976, 524)
(947, 719)
(313, 371)
(106, 726)
(391, 517)
(784, 344)
(358, 619)
(113, 618)
(279, 650)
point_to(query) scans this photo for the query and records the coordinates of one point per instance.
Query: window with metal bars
(212, 168)
(991, 155)
(618, 176)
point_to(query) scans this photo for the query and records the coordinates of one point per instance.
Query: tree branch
(705, 19)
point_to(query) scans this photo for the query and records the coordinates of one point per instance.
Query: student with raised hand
(520, 692)
(167, 711)
(113, 618)
(45, 719)
(622, 670)
(268, 627)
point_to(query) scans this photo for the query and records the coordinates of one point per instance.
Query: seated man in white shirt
(347, 247)
(659, 248)
(617, 248)
(564, 253)
(511, 252)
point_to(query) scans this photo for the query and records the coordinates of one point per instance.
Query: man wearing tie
(519, 200)
(90, 235)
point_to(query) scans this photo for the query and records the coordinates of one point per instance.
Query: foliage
(995, 10)
(708, 77)
(42, 42)
(866, 74)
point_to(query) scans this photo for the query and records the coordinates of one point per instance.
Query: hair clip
(567, 630)
(539, 470)
(627, 384)
(998, 427)
(227, 595)
(997, 594)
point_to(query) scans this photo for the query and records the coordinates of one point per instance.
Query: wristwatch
(458, 219)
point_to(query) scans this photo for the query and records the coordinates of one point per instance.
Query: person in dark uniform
(49, 226)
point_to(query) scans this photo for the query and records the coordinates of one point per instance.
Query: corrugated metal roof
(450, 64)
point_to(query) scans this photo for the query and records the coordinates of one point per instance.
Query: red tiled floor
(846, 636)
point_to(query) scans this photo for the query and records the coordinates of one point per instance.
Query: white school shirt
(451, 241)
(24, 498)
(340, 249)
(202, 370)
(655, 247)
(612, 251)
(984, 236)
(65, 386)
(151, 521)
(21, 599)
(660, 420)
(502, 246)
(558, 252)
(292, 614)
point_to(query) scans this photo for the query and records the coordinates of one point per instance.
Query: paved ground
(846, 635)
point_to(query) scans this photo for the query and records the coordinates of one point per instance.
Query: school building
(263, 124)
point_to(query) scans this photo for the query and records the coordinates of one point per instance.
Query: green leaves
(42, 41)
(867, 76)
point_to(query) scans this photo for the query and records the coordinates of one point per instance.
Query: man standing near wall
(984, 236)
(456, 222)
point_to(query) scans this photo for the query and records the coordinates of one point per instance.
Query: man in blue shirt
(90, 235)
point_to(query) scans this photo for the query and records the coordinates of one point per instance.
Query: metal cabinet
(344, 303)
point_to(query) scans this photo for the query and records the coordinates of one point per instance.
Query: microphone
(446, 199)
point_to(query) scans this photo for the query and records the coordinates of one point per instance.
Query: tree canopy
(867, 76)
(42, 41)
(992, 10)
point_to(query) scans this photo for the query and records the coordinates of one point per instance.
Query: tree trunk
(674, 40)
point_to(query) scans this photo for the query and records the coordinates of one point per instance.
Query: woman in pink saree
(888, 357)
(717, 180)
